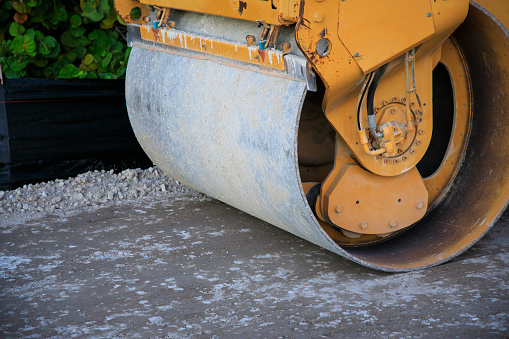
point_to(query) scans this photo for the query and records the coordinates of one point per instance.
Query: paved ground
(191, 268)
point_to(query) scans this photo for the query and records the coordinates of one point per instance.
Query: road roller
(376, 129)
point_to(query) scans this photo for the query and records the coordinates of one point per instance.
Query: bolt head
(393, 223)
(339, 209)
(428, 14)
(421, 132)
(356, 54)
(146, 19)
(318, 17)
(419, 205)
(250, 40)
(363, 225)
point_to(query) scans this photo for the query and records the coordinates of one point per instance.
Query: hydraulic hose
(371, 97)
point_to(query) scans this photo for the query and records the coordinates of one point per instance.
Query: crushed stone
(89, 190)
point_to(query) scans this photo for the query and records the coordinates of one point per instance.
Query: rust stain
(242, 7)
(261, 52)
(156, 33)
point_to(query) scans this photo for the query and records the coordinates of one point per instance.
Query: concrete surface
(190, 268)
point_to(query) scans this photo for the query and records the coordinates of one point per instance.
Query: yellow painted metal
(251, 10)
(498, 8)
(288, 11)
(391, 97)
(438, 183)
(270, 58)
(376, 34)
(342, 73)
(362, 196)
(124, 8)
(363, 202)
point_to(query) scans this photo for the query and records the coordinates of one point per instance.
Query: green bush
(62, 39)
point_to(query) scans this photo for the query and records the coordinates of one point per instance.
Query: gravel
(90, 189)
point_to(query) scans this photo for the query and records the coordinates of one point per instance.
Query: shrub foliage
(62, 39)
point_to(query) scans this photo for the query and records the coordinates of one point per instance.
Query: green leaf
(31, 3)
(54, 51)
(84, 41)
(24, 45)
(90, 75)
(19, 6)
(96, 34)
(113, 34)
(69, 40)
(58, 65)
(78, 31)
(105, 76)
(40, 62)
(106, 60)
(69, 71)
(16, 29)
(119, 19)
(102, 46)
(60, 14)
(110, 20)
(71, 56)
(89, 58)
(94, 16)
(48, 72)
(17, 63)
(75, 21)
(31, 33)
(10, 74)
(117, 47)
(39, 35)
(50, 41)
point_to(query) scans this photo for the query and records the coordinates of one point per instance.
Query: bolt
(428, 14)
(412, 104)
(417, 142)
(393, 111)
(418, 111)
(250, 40)
(404, 158)
(421, 132)
(146, 19)
(286, 46)
(403, 99)
(377, 157)
(419, 205)
(395, 161)
(356, 54)
(394, 99)
(363, 225)
(393, 223)
(339, 209)
(412, 151)
(386, 161)
(400, 151)
(377, 109)
(384, 102)
(318, 17)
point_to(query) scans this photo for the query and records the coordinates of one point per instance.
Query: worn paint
(268, 58)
